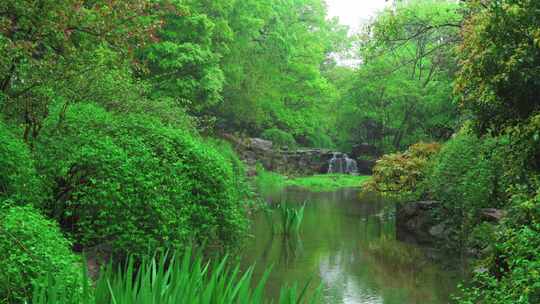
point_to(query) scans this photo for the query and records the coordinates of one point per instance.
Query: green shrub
(279, 138)
(500, 54)
(19, 181)
(134, 184)
(400, 174)
(467, 176)
(508, 272)
(510, 275)
(31, 247)
(227, 151)
(320, 140)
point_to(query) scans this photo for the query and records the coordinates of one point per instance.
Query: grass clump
(291, 218)
(181, 278)
(327, 182)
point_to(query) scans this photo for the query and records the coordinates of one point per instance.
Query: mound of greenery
(135, 184)
(508, 268)
(19, 181)
(401, 175)
(32, 247)
(497, 84)
(279, 138)
(467, 176)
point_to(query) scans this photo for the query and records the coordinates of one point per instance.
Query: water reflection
(348, 246)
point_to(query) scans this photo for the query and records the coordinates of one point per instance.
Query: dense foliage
(402, 93)
(273, 70)
(108, 111)
(507, 179)
(32, 247)
(134, 184)
(500, 62)
(19, 181)
(402, 174)
(279, 138)
(498, 83)
(492, 162)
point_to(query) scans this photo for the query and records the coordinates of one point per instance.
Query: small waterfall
(341, 163)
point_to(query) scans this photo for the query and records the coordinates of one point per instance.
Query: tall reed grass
(290, 219)
(168, 279)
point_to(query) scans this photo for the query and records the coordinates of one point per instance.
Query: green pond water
(337, 250)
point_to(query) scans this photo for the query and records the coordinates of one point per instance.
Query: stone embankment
(303, 161)
(417, 221)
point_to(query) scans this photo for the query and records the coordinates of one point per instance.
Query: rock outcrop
(416, 221)
(366, 156)
(365, 150)
(305, 161)
(492, 215)
(365, 166)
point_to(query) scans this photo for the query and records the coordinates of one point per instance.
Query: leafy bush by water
(227, 151)
(467, 176)
(31, 247)
(509, 275)
(508, 272)
(400, 174)
(134, 184)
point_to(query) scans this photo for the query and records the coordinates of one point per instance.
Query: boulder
(261, 144)
(365, 166)
(365, 150)
(416, 219)
(439, 231)
(492, 215)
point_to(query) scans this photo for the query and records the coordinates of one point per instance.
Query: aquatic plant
(269, 216)
(168, 279)
(291, 218)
